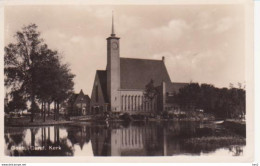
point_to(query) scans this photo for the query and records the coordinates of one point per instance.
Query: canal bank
(233, 125)
(25, 120)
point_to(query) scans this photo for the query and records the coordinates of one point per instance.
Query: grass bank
(212, 143)
(38, 121)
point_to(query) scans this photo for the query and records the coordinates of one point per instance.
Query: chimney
(163, 58)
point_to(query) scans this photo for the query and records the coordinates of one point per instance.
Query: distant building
(79, 104)
(120, 88)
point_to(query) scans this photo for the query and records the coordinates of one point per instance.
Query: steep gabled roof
(136, 73)
(75, 96)
(102, 75)
(174, 87)
(87, 97)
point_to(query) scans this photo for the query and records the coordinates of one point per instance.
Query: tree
(20, 59)
(54, 81)
(17, 103)
(45, 78)
(189, 96)
(35, 70)
(63, 86)
(223, 103)
(150, 91)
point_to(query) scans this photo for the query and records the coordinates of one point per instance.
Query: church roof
(102, 75)
(136, 73)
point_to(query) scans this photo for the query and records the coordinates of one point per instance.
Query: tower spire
(113, 32)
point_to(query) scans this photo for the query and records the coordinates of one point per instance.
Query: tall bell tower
(113, 70)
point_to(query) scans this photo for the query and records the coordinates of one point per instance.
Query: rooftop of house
(76, 95)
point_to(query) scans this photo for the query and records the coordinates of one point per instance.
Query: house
(79, 104)
(120, 88)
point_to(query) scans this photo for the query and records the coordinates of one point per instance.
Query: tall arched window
(135, 103)
(138, 102)
(132, 98)
(125, 102)
(129, 103)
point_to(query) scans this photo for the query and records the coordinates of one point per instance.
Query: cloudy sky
(201, 43)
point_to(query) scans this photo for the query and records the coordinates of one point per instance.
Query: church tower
(113, 70)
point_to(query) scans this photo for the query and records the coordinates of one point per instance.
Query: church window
(125, 101)
(128, 102)
(135, 102)
(139, 102)
(132, 102)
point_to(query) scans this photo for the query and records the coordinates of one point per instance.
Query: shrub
(138, 117)
(126, 117)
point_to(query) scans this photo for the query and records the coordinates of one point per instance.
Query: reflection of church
(120, 88)
(134, 141)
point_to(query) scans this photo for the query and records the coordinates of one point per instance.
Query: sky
(200, 43)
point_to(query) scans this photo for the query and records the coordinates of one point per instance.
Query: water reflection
(118, 139)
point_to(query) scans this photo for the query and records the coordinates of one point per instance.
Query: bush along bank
(183, 116)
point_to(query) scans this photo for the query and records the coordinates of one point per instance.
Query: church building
(120, 88)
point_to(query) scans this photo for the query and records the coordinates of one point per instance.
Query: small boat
(219, 122)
